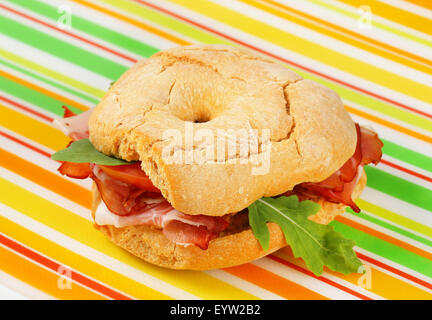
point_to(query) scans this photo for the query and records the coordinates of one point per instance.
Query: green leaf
(317, 244)
(83, 151)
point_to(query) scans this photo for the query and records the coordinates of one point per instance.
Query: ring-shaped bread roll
(301, 129)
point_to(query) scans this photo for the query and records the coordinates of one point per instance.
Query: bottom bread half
(149, 243)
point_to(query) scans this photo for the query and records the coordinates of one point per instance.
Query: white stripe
(388, 232)
(382, 20)
(45, 267)
(408, 166)
(398, 206)
(351, 24)
(244, 285)
(371, 214)
(301, 59)
(410, 7)
(12, 288)
(304, 280)
(327, 42)
(396, 266)
(46, 194)
(49, 61)
(141, 8)
(48, 86)
(94, 255)
(75, 32)
(60, 35)
(38, 159)
(406, 176)
(391, 119)
(120, 26)
(28, 105)
(341, 281)
(395, 136)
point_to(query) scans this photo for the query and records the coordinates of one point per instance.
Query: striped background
(383, 73)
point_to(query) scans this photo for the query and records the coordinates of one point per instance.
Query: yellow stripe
(309, 49)
(41, 278)
(395, 14)
(30, 128)
(394, 217)
(52, 74)
(43, 90)
(197, 283)
(79, 263)
(381, 283)
(331, 31)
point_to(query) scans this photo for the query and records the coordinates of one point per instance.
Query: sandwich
(209, 156)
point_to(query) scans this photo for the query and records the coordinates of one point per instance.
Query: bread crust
(222, 87)
(151, 245)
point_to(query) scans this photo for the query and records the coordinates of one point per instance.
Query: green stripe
(391, 227)
(399, 188)
(96, 30)
(409, 156)
(375, 23)
(59, 77)
(385, 249)
(61, 49)
(34, 97)
(344, 92)
(395, 218)
(166, 21)
(43, 79)
(373, 104)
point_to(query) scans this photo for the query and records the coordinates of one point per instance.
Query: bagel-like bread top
(214, 88)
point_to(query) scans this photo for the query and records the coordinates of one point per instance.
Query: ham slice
(176, 226)
(124, 205)
(338, 188)
(73, 125)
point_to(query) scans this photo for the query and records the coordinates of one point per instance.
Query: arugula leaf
(83, 151)
(318, 245)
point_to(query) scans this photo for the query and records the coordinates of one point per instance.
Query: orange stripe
(395, 14)
(389, 124)
(133, 22)
(384, 237)
(274, 283)
(43, 90)
(41, 278)
(45, 178)
(427, 4)
(341, 34)
(354, 34)
(381, 283)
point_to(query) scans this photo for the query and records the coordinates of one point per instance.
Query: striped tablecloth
(376, 54)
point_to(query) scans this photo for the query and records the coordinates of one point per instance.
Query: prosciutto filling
(124, 204)
(338, 188)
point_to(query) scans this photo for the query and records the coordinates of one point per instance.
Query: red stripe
(54, 266)
(151, 5)
(394, 270)
(25, 144)
(27, 109)
(398, 167)
(69, 34)
(321, 278)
